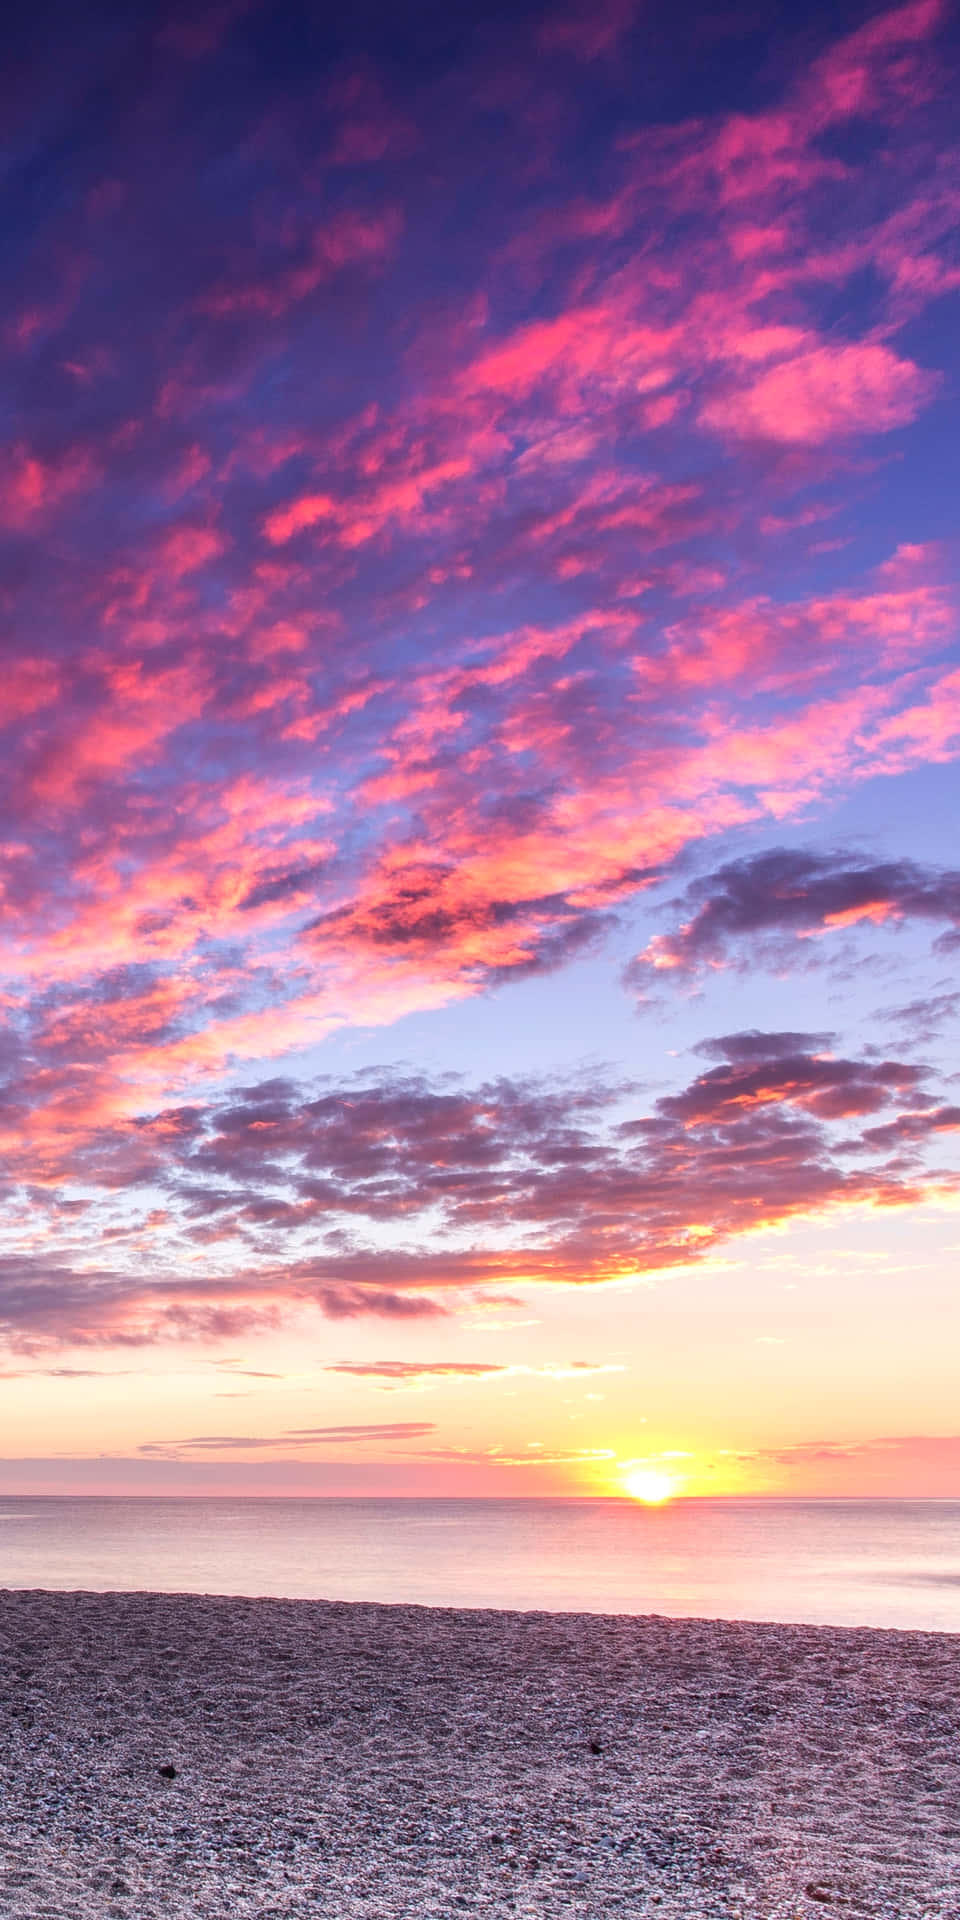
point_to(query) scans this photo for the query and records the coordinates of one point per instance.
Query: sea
(876, 1563)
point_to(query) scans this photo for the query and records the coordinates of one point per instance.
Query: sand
(382, 1761)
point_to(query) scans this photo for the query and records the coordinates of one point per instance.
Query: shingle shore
(377, 1761)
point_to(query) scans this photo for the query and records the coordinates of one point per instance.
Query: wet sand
(352, 1760)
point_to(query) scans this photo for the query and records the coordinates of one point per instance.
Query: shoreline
(431, 1608)
(378, 1760)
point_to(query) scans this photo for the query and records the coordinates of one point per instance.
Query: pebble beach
(178, 1755)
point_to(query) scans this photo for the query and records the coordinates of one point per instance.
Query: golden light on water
(649, 1485)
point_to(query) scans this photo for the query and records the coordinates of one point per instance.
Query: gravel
(179, 1755)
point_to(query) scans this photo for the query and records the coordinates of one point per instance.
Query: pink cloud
(830, 393)
(32, 489)
(928, 730)
(287, 521)
(351, 240)
(881, 64)
(588, 33)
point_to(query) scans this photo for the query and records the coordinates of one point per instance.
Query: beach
(181, 1755)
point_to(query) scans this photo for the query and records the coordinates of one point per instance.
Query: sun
(649, 1486)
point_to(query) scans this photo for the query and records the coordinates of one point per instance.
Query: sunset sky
(480, 707)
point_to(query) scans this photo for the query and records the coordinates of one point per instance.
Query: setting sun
(649, 1485)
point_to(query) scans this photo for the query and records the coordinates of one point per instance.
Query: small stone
(167, 1772)
(595, 1746)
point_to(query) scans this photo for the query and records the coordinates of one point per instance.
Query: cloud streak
(392, 1374)
(296, 1437)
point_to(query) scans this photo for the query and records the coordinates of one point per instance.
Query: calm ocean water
(890, 1563)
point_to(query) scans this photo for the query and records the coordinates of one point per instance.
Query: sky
(480, 716)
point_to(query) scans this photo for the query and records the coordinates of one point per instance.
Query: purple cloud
(753, 910)
(388, 1195)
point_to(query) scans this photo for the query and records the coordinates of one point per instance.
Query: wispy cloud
(402, 1373)
(912, 1464)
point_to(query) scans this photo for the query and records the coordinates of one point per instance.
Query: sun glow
(649, 1485)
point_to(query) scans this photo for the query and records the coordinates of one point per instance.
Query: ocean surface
(882, 1563)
